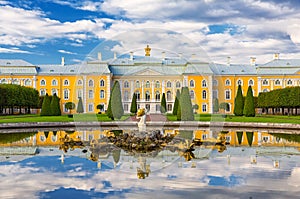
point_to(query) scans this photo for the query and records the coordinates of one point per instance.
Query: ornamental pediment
(147, 72)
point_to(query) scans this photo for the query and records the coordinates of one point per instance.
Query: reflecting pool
(163, 163)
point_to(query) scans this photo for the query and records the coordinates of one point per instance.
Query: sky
(43, 31)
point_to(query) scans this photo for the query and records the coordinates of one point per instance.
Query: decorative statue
(141, 114)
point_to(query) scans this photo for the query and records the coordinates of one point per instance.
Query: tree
(239, 102)
(216, 105)
(70, 106)
(46, 110)
(100, 107)
(133, 107)
(55, 105)
(109, 111)
(224, 106)
(186, 105)
(80, 106)
(249, 110)
(175, 108)
(116, 101)
(163, 104)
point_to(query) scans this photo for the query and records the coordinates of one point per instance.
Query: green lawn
(63, 118)
(232, 118)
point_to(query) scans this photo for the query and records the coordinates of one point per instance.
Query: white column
(84, 94)
(210, 95)
(152, 89)
(34, 81)
(185, 81)
(163, 86)
(258, 85)
(108, 82)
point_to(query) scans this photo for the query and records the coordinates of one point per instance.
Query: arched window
(91, 94)
(91, 82)
(157, 84)
(3, 81)
(192, 83)
(66, 94)
(215, 82)
(54, 91)
(265, 82)
(16, 81)
(169, 96)
(137, 84)
(102, 94)
(204, 94)
(66, 82)
(147, 84)
(169, 84)
(192, 94)
(250, 82)
(157, 96)
(126, 95)
(227, 94)
(102, 83)
(240, 82)
(138, 95)
(290, 82)
(277, 82)
(126, 84)
(204, 107)
(265, 90)
(54, 82)
(27, 82)
(147, 96)
(204, 84)
(42, 92)
(79, 82)
(227, 82)
(43, 82)
(169, 107)
(178, 84)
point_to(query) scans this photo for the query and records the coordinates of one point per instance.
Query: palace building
(149, 77)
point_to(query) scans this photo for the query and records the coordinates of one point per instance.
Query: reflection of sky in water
(46, 177)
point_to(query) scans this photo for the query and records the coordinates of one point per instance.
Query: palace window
(239, 82)
(27, 82)
(250, 82)
(157, 107)
(157, 96)
(157, 84)
(126, 107)
(79, 93)
(66, 82)
(169, 84)
(3, 81)
(265, 82)
(215, 94)
(147, 84)
(169, 107)
(79, 82)
(169, 96)
(277, 82)
(192, 83)
(54, 82)
(192, 94)
(16, 81)
(138, 95)
(42, 92)
(204, 107)
(43, 82)
(102, 94)
(102, 83)
(54, 91)
(265, 90)
(66, 94)
(204, 84)
(126, 84)
(91, 94)
(91, 107)
(137, 84)
(126, 95)
(178, 84)
(227, 94)
(227, 82)
(215, 82)
(204, 94)
(147, 96)
(290, 82)
(91, 82)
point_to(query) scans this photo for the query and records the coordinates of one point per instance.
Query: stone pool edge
(153, 124)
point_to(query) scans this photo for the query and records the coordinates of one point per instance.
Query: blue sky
(42, 31)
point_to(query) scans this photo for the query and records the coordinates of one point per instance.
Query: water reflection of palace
(233, 138)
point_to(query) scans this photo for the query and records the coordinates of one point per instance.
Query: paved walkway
(150, 117)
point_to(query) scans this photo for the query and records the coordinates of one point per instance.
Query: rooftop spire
(147, 51)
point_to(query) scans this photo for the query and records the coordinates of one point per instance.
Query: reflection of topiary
(141, 112)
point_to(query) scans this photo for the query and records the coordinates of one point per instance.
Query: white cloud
(13, 50)
(66, 52)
